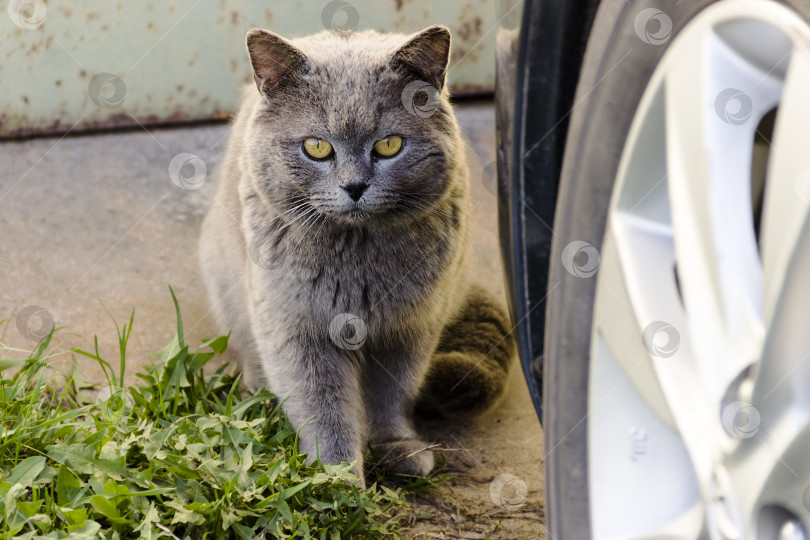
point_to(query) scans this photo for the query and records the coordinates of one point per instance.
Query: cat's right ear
(273, 58)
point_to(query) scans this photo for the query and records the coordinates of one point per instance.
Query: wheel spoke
(784, 376)
(709, 154)
(787, 195)
(771, 468)
(780, 392)
(618, 323)
(636, 451)
(787, 484)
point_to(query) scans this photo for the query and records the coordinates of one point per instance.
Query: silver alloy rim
(699, 393)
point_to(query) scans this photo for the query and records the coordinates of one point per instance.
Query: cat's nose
(355, 190)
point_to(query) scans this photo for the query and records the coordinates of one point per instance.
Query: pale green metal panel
(85, 64)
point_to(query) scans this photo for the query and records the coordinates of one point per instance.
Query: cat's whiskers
(289, 211)
(320, 227)
(311, 219)
(439, 196)
(294, 197)
(304, 214)
(425, 206)
(318, 216)
(290, 201)
(305, 203)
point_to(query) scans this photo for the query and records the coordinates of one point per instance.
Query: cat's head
(352, 126)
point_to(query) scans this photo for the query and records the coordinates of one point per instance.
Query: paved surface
(95, 219)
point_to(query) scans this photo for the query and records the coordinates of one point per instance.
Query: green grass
(183, 454)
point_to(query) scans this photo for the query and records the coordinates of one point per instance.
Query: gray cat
(335, 248)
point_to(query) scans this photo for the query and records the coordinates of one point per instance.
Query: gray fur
(285, 250)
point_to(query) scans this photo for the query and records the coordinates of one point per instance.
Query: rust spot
(234, 65)
(58, 83)
(171, 9)
(150, 25)
(65, 11)
(179, 87)
(105, 27)
(399, 4)
(82, 73)
(192, 93)
(234, 17)
(470, 28)
(92, 16)
(191, 62)
(118, 6)
(25, 99)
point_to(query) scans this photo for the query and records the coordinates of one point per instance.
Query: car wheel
(676, 374)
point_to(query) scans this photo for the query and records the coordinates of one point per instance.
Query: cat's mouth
(352, 214)
(357, 212)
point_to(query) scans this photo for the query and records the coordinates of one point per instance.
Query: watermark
(508, 491)
(107, 90)
(340, 16)
(187, 171)
(114, 400)
(34, 323)
(653, 26)
(420, 98)
(733, 106)
(740, 419)
(258, 253)
(489, 177)
(27, 14)
(661, 339)
(580, 259)
(348, 331)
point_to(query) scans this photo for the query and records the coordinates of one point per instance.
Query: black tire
(614, 75)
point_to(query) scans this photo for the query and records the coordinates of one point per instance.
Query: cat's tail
(470, 367)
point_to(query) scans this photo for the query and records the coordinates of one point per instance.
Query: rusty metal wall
(86, 64)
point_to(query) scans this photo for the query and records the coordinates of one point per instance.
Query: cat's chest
(361, 272)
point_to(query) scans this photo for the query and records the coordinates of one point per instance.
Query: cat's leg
(320, 389)
(221, 254)
(392, 379)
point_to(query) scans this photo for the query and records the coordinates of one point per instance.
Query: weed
(183, 455)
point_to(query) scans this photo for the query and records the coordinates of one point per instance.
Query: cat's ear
(273, 58)
(426, 54)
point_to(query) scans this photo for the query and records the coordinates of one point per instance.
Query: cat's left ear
(427, 53)
(273, 58)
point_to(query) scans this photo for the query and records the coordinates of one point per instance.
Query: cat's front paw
(412, 457)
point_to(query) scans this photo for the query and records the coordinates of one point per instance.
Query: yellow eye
(389, 146)
(318, 148)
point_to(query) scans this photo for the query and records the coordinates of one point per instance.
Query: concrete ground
(95, 219)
